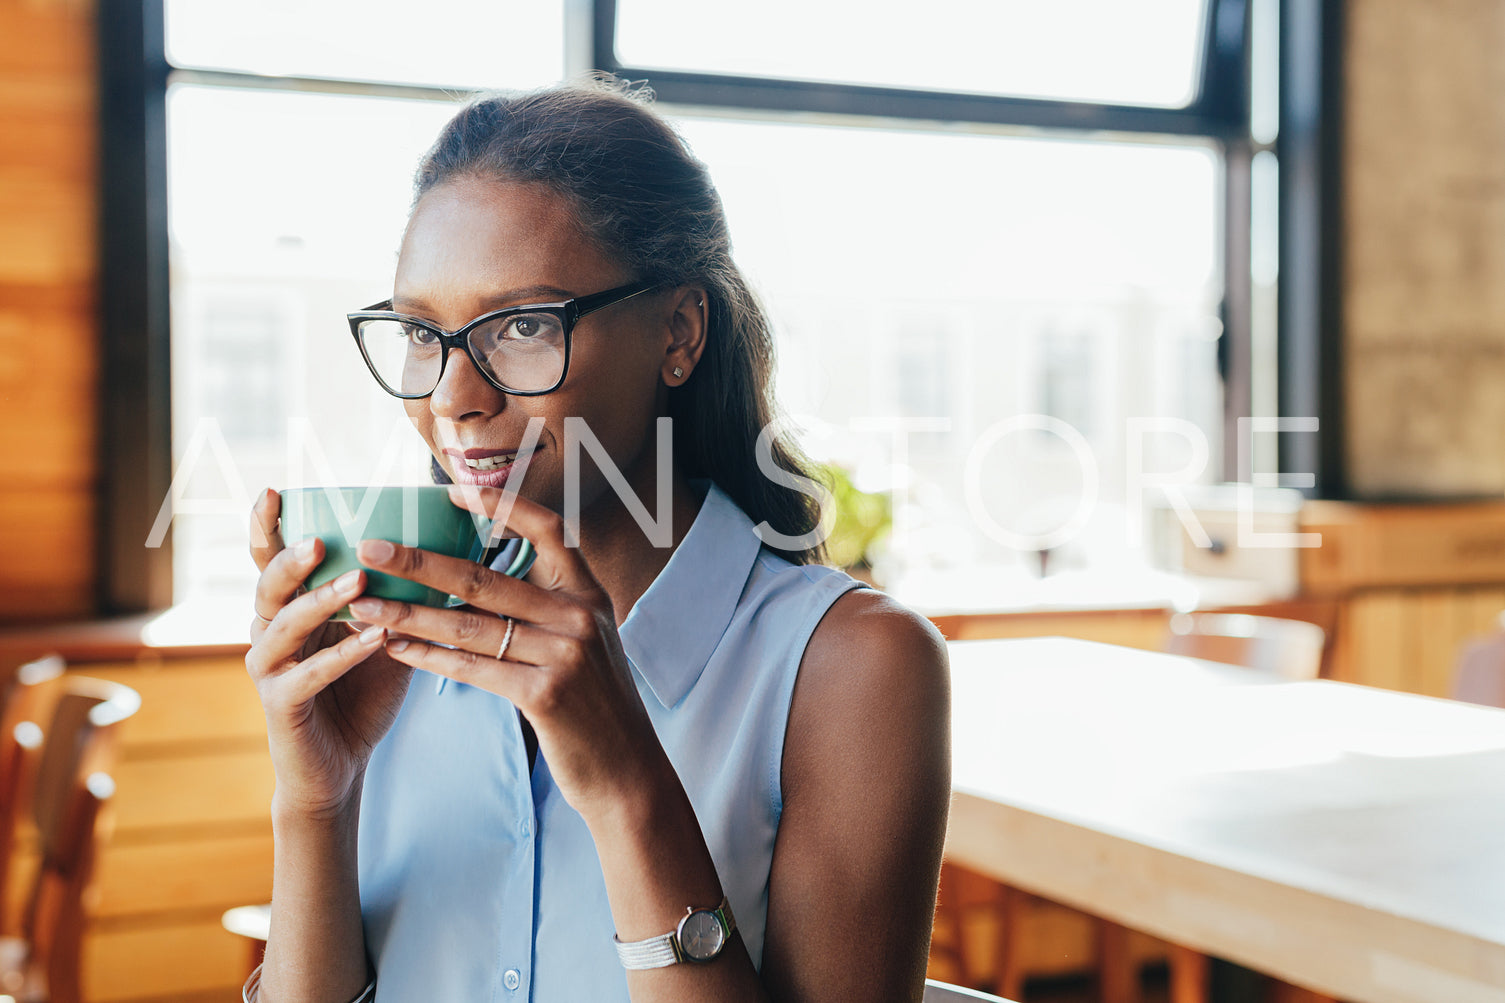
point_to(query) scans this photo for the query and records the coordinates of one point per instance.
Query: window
(286, 210)
(935, 286)
(992, 211)
(1075, 50)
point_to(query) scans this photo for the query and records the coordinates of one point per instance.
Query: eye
(419, 336)
(531, 327)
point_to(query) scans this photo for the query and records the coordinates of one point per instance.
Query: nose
(463, 393)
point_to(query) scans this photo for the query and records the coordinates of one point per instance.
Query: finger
(476, 631)
(317, 671)
(505, 678)
(559, 564)
(290, 629)
(266, 536)
(284, 575)
(475, 583)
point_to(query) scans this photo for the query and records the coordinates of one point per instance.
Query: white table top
(1348, 839)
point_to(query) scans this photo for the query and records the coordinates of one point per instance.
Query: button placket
(525, 808)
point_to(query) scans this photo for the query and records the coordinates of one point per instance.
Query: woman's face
(473, 246)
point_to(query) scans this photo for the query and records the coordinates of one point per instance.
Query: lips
(485, 467)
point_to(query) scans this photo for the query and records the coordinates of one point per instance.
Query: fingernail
(365, 608)
(377, 550)
(397, 646)
(305, 549)
(372, 635)
(347, 582)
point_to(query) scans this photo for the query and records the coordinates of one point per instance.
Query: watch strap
(664, 950)
(655, 952)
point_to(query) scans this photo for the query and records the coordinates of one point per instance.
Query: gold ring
(506, 639)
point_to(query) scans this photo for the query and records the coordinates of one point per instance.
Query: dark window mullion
(818, 97)
(135, 418)
(1310, 145)
(1224, 93)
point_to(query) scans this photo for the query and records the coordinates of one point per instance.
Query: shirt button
(512, 978)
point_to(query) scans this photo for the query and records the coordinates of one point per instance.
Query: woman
(657, 724)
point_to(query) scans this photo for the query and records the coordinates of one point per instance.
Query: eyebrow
(497, 301)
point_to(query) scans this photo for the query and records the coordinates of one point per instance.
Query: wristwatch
(700, 937)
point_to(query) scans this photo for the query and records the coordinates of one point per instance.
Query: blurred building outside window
(928, 286)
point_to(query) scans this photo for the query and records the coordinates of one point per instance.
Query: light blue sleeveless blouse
(479, 883)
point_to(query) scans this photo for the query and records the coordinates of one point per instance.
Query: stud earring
(700, 303)
(678, 372)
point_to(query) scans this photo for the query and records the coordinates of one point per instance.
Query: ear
(690, 314)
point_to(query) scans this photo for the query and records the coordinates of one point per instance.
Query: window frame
(135, 416)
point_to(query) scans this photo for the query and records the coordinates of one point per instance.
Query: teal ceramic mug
(413, 515)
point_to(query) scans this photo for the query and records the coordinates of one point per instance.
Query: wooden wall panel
(46, 226)
(48, 252)
(196, 790)
(47, 538)
(191, 700)
(206, 875)
(148, 963)
(51, 448)
(47, 40)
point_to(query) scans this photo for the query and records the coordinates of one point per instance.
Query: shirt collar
(676, 625)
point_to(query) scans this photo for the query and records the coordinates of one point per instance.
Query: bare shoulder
(874, 673)
(876, 624)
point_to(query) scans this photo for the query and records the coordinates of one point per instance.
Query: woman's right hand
(323, 719)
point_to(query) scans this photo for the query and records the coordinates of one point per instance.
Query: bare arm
(316, 950)
(867, 785)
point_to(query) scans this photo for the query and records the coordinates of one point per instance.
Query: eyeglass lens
(521, 351)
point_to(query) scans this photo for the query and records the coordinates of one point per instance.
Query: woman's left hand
(564, 667)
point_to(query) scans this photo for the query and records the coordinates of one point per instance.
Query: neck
(618, 550)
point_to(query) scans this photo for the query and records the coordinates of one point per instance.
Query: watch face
(700, 935)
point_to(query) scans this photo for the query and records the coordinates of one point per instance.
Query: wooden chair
(22, 695)
(940, 992)
(71, 790)
(963, 893)
(1290, 649)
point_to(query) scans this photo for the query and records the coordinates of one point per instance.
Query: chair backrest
(1290, 649)
(72, 787)
(940, 992)
(1480, 674)
(23, 695)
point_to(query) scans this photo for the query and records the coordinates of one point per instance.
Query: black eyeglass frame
(569, 312)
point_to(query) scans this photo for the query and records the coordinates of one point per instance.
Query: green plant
(863, 518)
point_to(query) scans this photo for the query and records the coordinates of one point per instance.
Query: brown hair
(643, 197)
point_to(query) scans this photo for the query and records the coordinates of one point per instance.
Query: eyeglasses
(522, 350)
